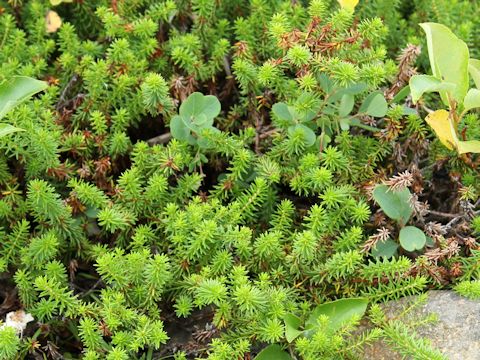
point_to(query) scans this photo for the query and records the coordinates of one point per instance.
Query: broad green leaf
(6, 129)
(348, 4)
(326, 83)
(178, 128)
(472, 99)
(282, 111)
(339, 312)
(474, 70)
(308, 134)
(292, 324)
(442, 123)
(385, 249)
(409, 111)
(421, 84)
(402, 94)
(91, 212)
(192, 106)
(471, 146)
(352, 90)
(412, 238)
(448, 58)
(197, 104)
(17, 89)
(306, 116)
(273, 352)
(346, 105)
(201, 121)
(356, 89)
(374, 105)
(395, 204)
(329, 110)
(344, 123)
(211, 106)
(191, 140)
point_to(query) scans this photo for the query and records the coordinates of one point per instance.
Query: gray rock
(456, 334)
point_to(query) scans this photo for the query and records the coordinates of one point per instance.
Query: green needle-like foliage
(214, 161)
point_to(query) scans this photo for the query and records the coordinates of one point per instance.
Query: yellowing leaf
(470, 146)
(444, 127)
(58, 2)
(52, 21)
(348, 4)
(442, 124)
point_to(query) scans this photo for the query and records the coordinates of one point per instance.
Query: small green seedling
(337, 105)
(14, 91)
(297, 122)
(339, 313)
(451, 65)
(340, 102)
(396, 205)
(196, 113)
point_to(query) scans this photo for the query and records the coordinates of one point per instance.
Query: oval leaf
(6, 129)
(273, 352)
(17, 89)
(346, 105)
(192, 106)
(338, 311)
(474, 70)
(356, 89)
(282, 111)
(374, 105)
(448, 58)
(292, 324)
(442, 124)
(412, 238)
(402, 94)
(211, 106)
(385, 249)
(197, 104)
(178, 128)
(471, 146)
(58, 2)
(472, 99)
(421, 84)
(198, 123)
(395, 204)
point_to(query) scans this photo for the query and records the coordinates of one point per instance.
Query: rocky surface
(456, 334)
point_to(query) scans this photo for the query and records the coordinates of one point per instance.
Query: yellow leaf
(348, 4)
(58, 2)
(470, 146)
(443, 125)
(52, 21)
